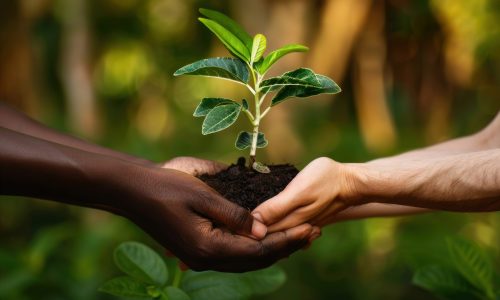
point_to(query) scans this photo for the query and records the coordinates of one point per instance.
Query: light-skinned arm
(458, 175)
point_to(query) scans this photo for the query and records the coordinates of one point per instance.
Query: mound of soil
(248, 188)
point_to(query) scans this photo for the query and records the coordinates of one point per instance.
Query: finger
(168, 253)
(234, 217)
(276, 208)
(182, 266)
(299, 216)
(241, 254)
(332, 213)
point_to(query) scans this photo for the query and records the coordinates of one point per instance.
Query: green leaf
(244, 103)
(244, 140)
(232, 43)
(265, 281)
(125, 287)
(258, 47)
(220, 118)
(301, 77)
(230, 25)
(221, 67)
(274, 56)
(328, 86)
(207, 104)
(141, 263)
(473, 264)
(445, 283)
(174, 293)
(213, 285)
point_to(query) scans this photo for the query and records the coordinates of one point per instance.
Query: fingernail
(314, 236)
(257, 217)
(259, 230)
(316, 231)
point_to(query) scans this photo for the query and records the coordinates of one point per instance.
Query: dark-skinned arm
(178, 210)
(19, 122)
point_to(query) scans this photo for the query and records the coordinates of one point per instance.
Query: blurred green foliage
(52, 251)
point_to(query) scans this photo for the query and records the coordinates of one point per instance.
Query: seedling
(249, 67)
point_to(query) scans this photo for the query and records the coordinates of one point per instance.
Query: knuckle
(241, 218)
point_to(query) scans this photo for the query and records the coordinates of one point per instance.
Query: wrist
(369, 183)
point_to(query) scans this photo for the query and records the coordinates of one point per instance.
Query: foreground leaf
(444, 283)
(265, 281)
(274, 56)
(230, 25)
(232, 43)
(258, 47)
(244, 140)
(125, 287)
(301, 77)
(214, 285)
(174, 293)
(221, 67)
(328, 86)
(141, 263)
(220, 118)
(472, 264)
(207, 104)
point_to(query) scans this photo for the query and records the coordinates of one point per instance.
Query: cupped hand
(194, 166)
(321, 190)
(202, 228)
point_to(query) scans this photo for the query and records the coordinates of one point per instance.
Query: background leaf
(244, 140)
(258, 47)
(274, 56)
(232, 43)
(221, 67)
(230, 25)
(125, 287)
(141, 263)
(328, 86)
(207, 104)
(220, 118)
(445, 283)
(472, 264)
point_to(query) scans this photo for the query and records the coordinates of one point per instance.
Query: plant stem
(177, 277)
(256, 122)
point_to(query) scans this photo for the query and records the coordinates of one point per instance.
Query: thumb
(234, 217)
(276, 208)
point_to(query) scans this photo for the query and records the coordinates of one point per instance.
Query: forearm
(461, 182)
(16, 121)
(37, 168)
(486, 139)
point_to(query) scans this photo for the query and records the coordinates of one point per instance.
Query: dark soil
(249, 188)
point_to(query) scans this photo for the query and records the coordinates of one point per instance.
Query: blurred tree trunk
(287, 24)
(369, 84)
(76, 68)
(17, 84)
(340, 25)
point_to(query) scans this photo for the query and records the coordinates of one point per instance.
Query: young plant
(249, 67)
(147, 277)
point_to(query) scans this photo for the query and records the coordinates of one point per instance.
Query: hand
(321, 190)
(202, 228)
(194, 166)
